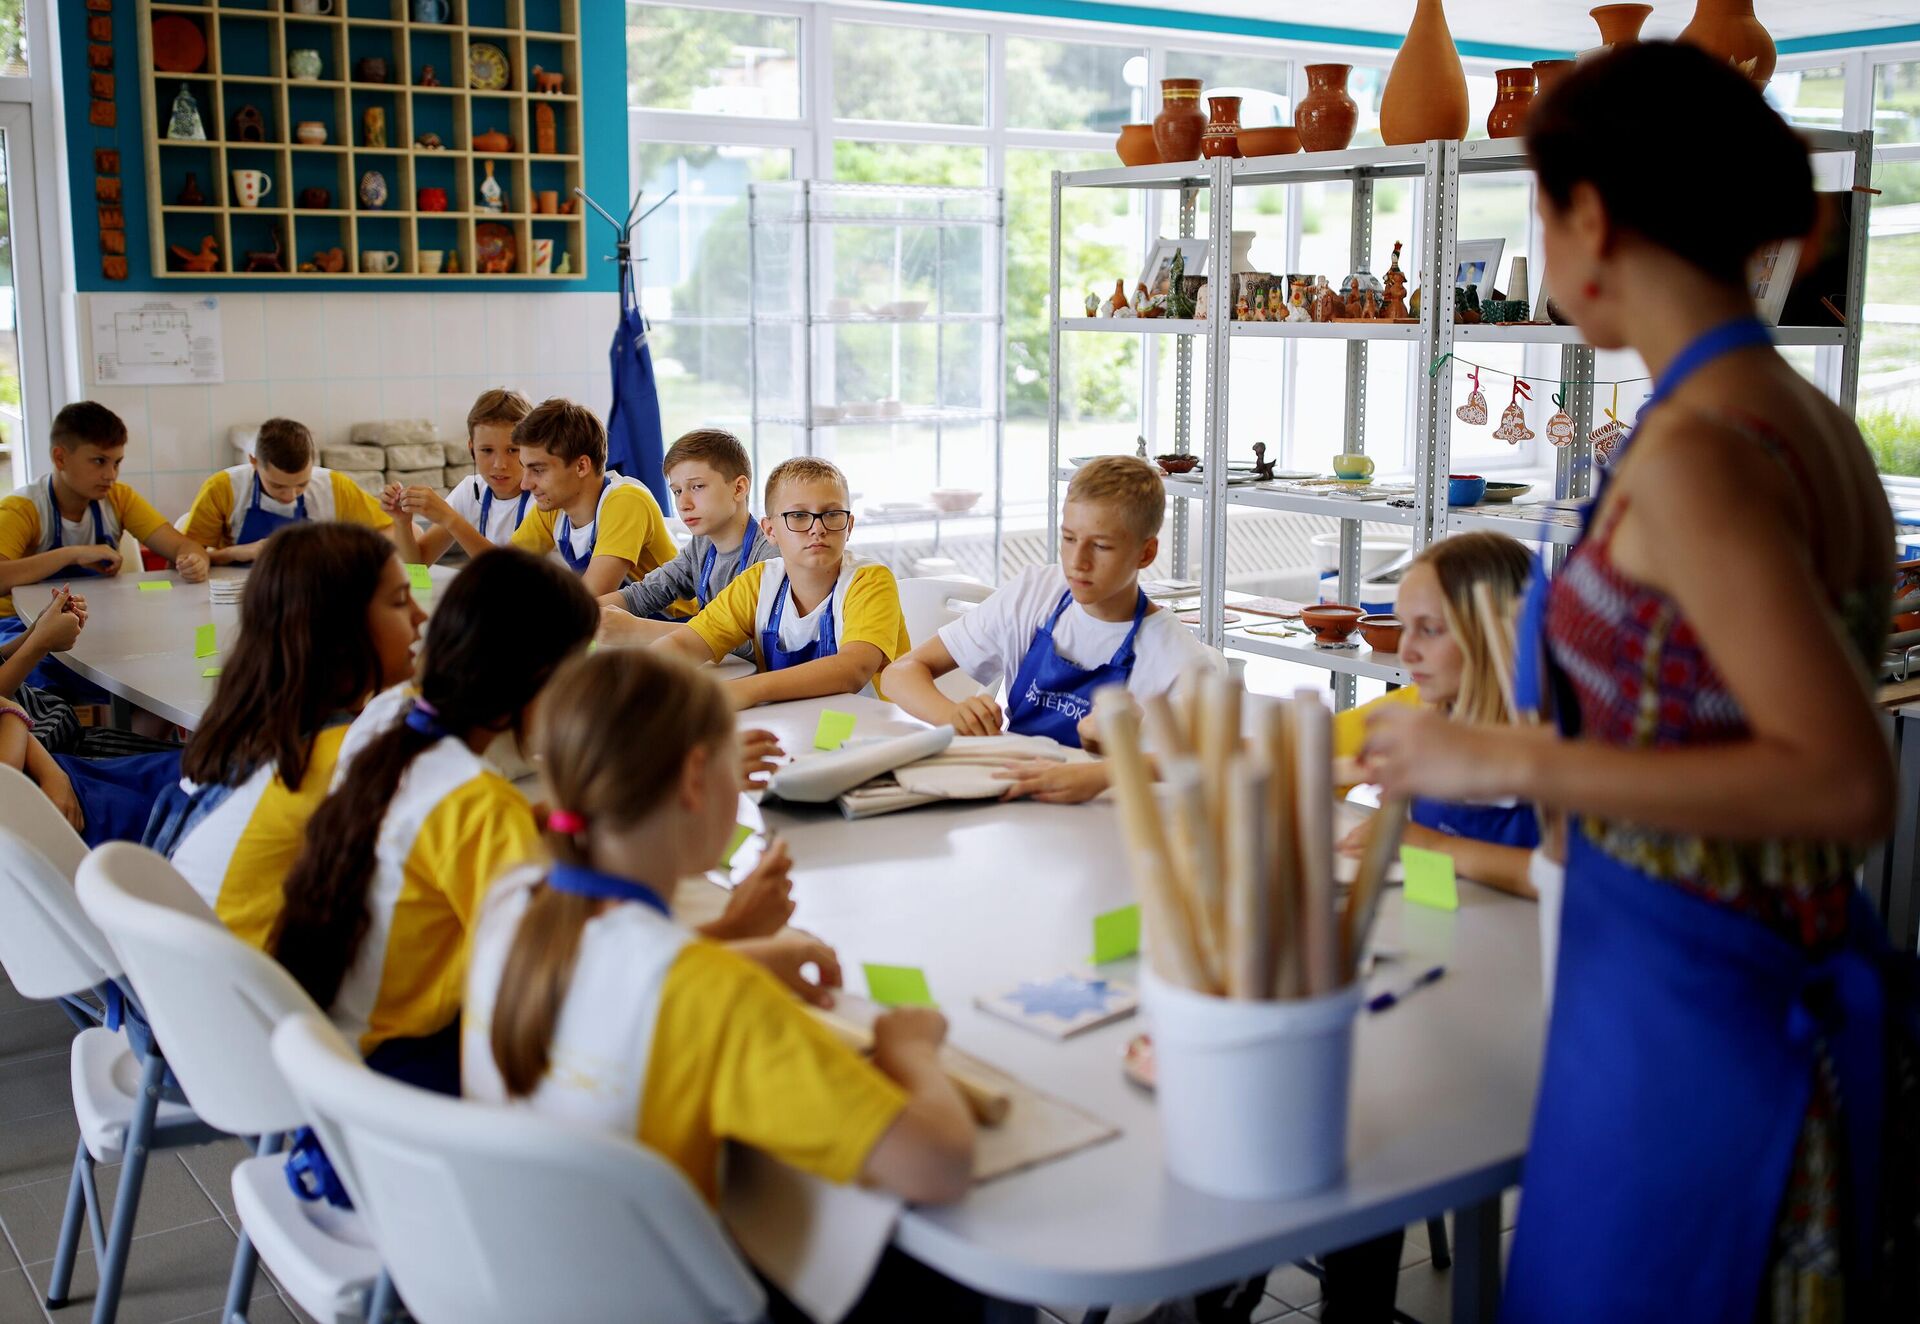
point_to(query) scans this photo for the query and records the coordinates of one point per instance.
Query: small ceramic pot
(1221, 137)
(311, 132)
(1465, 489)
(1274, 140)
(428, 261)
(1620, 24)
(547, 202)
(1176, 464)
(1181, 122)
(431, 199)
(1326, 116)
(1331, 622)
(1382, 632)
(1135, 145)
(316, 199)
(1512, 102)
(372, 69)
(303, 65)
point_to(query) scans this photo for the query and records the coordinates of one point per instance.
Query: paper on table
(741, 832)
(898, 986)
(1116, 934)
(155, 585)
(833, 730)
(817, 1240)
(420, 578)
(1430, 880)
(209, 673)
(203, 641)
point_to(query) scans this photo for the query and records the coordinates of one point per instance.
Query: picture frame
(1770, 275)
(1477, 262)
(1157, 275)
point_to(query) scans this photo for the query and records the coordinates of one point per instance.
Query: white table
(983, 896)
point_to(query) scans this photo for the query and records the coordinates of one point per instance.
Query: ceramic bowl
(1276, 140)
(1176, 464)
(954, 500)
(1465, 489)
(1381, 630)
(1507, 491)
(905, 308)
(1332, 622)
(860, 409)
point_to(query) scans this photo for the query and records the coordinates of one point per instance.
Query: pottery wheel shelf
(329, 144)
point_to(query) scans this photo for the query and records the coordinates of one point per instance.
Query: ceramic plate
(486, 67)
(1506, 491)
(179, 47)
(491, 239)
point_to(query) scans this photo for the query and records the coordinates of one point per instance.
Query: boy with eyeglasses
(819, 623)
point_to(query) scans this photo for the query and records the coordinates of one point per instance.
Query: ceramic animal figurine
(206, 259)
(184, 124)
(1323, 303)
(190, 194)
(268, 259)
(1395, 309)
(429, 142)
(374, 125)
(546, 82)
(1112, 306)
(428, 78)
(330, 260)
(566, 265)
(1093, 304)
(1263, 467)
(1240, 311)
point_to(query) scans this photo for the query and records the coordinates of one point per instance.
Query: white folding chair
(926, 605)
(489, 1215)
(213, 1001)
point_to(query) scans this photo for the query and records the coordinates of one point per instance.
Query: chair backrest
(924, 604)
(48, 946)
(485, 1214)
(212, 1000)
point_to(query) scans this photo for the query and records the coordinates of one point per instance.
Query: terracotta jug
(1548, 74)
(1178, 126)
(1221, 137)
(1426, 94)
(1620, 24)
(1728, 29)
(1135, 145)
(1512, 102)
(1326, 115)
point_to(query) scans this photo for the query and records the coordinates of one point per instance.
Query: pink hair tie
(565, 821)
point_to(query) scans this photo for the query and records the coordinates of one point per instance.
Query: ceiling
(1554, 24)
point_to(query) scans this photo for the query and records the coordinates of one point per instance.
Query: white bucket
(1549, 879)
(1253, 1095)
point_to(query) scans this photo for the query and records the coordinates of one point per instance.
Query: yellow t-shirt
(1350, 727)
(627, 523)
(681, 1044)
(27, 522)
(866, 610)
(238, 856)
(220, 510)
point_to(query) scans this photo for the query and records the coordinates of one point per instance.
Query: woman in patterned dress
(1724, 1126)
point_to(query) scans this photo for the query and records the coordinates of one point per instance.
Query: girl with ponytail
(586, 1000)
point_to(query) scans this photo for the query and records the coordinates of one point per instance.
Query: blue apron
(99, 530)
(563, 536)
(50, 673)
(486, 509)
(1678, 1068)
(1502, 825)
(117, 795)
(1050, 694)
(635, 445)
(264, 523)
(704, 593)
(825, 642)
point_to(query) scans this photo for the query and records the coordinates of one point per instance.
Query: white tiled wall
(332, 360)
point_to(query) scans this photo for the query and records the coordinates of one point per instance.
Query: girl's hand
(57, 626)
(788, 957)
(760, 754)
(976, 715)
(390, 497)
(1419, 751)
(76, 605)
(1051, 782)
(762, 902)
(59, 789)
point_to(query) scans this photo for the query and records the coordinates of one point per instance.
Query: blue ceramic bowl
(1465, 489)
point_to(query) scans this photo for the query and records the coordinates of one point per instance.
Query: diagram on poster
(152, 340)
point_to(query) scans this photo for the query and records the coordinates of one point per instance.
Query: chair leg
(245, 1258)
(1437, 1240)
(381, 1301)
(78, 1204)
(96, 1221)
(126, 1204)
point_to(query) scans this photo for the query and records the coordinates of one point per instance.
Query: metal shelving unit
(1435, 170)
(837, 303)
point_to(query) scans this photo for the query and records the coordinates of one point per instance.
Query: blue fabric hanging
(635, 445)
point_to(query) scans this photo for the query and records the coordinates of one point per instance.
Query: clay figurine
(207, 259)
(493, 198)
(374, 125)
(1112, 306)
(1323, 304)
(453, 262)
(330, 260)
(429, 142)
(566, 265)
(190, 194)
(546, 82)
(184, 125)
(1240, 311)
(428, 78)
(247, 125)
(1297, 310)
(1395, 295)
(1093, 304)
(269, 260)
(545, 139)
(1262, 467)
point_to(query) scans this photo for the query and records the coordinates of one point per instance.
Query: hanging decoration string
(1433, 370)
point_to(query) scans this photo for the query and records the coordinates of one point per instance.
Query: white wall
(332, 360)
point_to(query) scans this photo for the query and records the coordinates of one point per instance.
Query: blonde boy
(605, 527)
(819, 623)
(485, 508)
(711, 479)
(239, 508)
(1057, 633)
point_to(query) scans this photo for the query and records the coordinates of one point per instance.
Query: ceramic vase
(1221, 137)
(1326, 115)
(1426, 94)
(303, 64)
(1243, 251)
(1512, 102)
(1135, 145)
(1620, 24)
(1547, 75)
(373, 190)
(311, 132)
(1178, 126)
(1728, 29)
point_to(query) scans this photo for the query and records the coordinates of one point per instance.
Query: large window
(1889, 403)
(713, 62)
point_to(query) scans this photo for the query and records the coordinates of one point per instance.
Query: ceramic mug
(312, 6)
(249, 186)
(430, 260)
(431, 11)
(547, 201)
(432, 199)
(303, 65)
(542, 256)
(377, 261)
(1353, 466)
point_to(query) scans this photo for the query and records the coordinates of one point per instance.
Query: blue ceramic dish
(1465, 489)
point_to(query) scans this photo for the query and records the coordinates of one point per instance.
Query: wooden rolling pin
(988, 1102)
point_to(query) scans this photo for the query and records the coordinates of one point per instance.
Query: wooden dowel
(1313, 771)
(1363, 902)
(1249, 970)
(1283, 875)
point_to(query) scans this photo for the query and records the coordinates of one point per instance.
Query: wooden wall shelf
(247, 64)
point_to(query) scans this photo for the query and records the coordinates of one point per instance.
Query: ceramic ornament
(1606, 438)
(1560, 426)
(184, 124)
(1513, 420)
(1474, 411)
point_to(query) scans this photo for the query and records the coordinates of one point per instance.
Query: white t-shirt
(502, 519)
(989, 642)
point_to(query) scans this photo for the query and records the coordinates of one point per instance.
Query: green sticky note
(210, 673)
(1429, 878)
(155, 585)
(739, 838)
(833, 730)
(421, 578)
(203, 643)
(1116, 934)
(898, 986)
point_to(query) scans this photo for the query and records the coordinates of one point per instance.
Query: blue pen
(1381, 1001)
